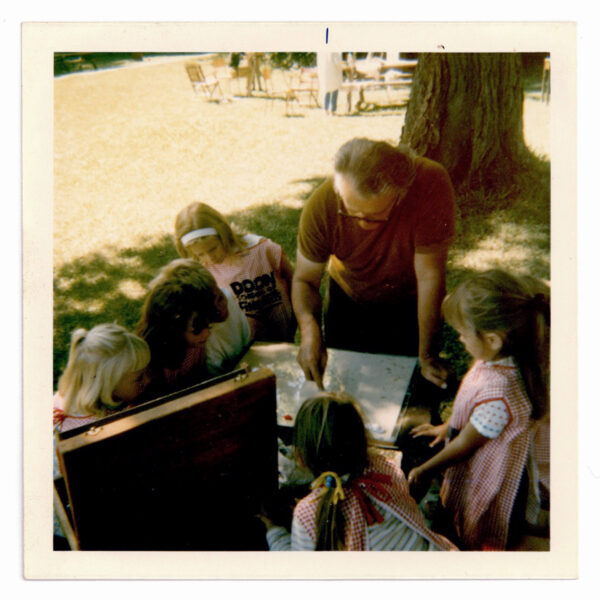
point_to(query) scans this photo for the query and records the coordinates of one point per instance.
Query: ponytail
(532, 354)
(331, 440)
(330, 519)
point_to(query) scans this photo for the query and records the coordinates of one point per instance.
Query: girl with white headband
(254, 268)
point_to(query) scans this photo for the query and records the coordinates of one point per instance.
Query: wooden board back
(188, 473)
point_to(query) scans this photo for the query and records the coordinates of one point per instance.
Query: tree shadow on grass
(507, 227)
(274, 221)
(101, 288)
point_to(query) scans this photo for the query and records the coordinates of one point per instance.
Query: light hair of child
(329, 435)
(197, 216)
(518, 309)
(98, 359)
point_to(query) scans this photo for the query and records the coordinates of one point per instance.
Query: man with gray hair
(381, 226)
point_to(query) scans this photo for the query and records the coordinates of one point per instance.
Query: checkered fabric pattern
(254, 275)
(194, 360)
(541, 446)
(62, 421)
(384, 482)
(481, 490)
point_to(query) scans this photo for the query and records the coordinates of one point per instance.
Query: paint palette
(377, 381)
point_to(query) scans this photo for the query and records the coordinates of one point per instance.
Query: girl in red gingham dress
(360, 499)
(253, 267)
(491, 461)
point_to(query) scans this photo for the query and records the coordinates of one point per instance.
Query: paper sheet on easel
(378, 381)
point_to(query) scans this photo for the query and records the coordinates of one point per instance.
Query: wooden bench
(362, 86)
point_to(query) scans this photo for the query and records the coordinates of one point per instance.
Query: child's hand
(266, 521)
(438, 432)
(418, 482)
(414, 476)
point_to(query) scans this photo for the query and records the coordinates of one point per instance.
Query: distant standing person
(381, 226)
(254, 74)
(330, 67)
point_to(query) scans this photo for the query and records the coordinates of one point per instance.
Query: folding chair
(207, 85)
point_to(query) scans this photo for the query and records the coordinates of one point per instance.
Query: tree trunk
(466, 112)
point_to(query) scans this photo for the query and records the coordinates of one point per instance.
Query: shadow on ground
(506, 228)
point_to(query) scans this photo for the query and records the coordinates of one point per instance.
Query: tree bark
(466, 112)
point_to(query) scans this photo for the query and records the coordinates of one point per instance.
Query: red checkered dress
(192, 369)
(481, 490)
(254, 275)
(383, 481)
(62, 421)
(541, 446)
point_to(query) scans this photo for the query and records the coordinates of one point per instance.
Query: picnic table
(377, 74)
(379, 383)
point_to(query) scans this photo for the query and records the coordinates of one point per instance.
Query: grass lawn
(134, 145)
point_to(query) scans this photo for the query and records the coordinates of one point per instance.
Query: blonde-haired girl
(106, 369)
(253, 267)
(360, 499)
(492, 467)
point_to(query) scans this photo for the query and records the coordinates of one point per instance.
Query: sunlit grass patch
(519, 248)
(132, 289)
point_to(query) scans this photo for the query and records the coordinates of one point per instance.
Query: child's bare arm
(462, 446)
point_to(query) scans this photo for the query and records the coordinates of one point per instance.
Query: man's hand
(430, 271)
(312, 357)
(306, 299)
(434, 371)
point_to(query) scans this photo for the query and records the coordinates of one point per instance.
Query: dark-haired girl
(359, 499)
(495, 458)
(195, 329)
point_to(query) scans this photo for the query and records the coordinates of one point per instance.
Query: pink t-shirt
(254, 274)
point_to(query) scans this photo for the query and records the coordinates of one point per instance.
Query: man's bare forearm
(307, 303)
(431, 292)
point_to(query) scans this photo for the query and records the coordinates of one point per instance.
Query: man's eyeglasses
(365, 219)
(370, 218)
